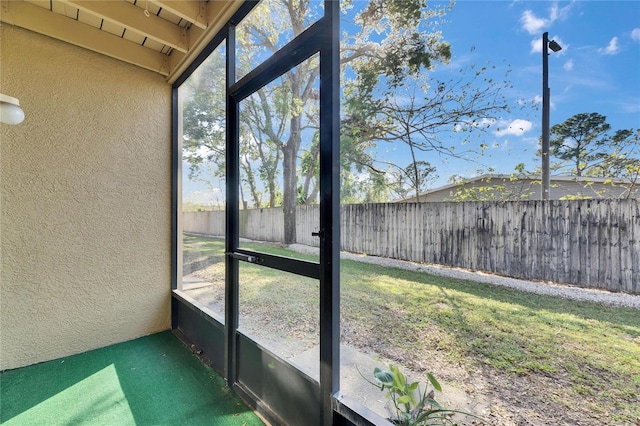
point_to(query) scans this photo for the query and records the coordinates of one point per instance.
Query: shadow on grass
(620, 316)
(407, 315)
(535, 302)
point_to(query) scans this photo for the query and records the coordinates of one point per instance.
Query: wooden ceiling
(163, 36)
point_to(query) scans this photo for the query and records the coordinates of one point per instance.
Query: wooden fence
(590, 243)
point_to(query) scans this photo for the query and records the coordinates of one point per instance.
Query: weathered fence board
(591, 243)
(635, 248)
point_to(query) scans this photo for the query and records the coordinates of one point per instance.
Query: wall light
(10, 111)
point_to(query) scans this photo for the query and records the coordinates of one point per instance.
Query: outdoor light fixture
(553, 45)
(10, 111)
(546, 45)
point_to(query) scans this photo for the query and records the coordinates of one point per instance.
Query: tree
(585, 143)
(395, 42)
(623, 163)
(631, 175)
(414, 178)
(515, 187)
(364, 188)
(203, 115)
(392, 41)
(261, 137)
(434, 115)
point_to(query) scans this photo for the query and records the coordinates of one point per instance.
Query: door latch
(245, 257)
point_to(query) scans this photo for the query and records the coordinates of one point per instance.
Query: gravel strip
(545, 288)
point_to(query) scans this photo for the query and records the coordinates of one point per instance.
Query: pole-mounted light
(554, 46)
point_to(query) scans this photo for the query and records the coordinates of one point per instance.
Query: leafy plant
(411, 405)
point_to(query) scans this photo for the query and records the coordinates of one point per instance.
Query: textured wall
(85, 185)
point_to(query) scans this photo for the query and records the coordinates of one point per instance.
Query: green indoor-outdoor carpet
(153, 380)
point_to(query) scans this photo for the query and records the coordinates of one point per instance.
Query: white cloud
(516, 127)
(203, 152)
(632, 107)
(635, 34)
(531, 23)
(612, 48)
(537, 99)
(565, 46)
(485, 123)
(560, 13)
(536, 45)
(568, 66)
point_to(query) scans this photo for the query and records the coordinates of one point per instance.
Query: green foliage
(397, 39)
(576, 197)
(584, 143)
(412, 179)
(406, 48)
(411, 405)
(427, 115)
(360, 189)
(515, 187)
(514, 338)
(203, 117)
(585, 147)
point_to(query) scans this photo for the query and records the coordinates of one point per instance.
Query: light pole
(546, 45)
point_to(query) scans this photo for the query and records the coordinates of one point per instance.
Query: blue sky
(597, 70)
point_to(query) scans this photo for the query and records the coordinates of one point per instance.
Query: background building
(506, 187)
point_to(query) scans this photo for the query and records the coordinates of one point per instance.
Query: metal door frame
(322, 38)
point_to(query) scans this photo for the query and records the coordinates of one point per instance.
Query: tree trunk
(272, 192)
(289, 192)
(289, 160)
(416, 176)
(251, 181)
(310, 186)
(244, 203)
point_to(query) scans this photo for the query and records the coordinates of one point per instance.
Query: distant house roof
(528, 188)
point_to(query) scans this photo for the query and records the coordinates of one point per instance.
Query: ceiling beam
(216, 11)
(219, 14)
(43, 21)
(192, 11)
(132, 18)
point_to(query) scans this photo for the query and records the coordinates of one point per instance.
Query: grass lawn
(550, 359)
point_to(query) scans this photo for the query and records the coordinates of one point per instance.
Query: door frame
(322, 38)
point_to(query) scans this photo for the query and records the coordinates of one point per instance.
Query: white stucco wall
(85, 186)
